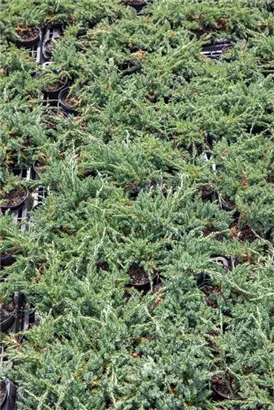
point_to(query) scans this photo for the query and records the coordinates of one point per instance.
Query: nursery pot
(61, 100)
(139, 278)
(47, 47)
(31, 41)
(207, 192)
(220, 389)
(47, 51)
(6, 318)
(55, 91)
(55, 25)
(16, 202)
(217, 49)
(129, 67)
(221, 260)
(203, 279)
(138, 5)
(227, 204)
(6, 260)
(46, 64)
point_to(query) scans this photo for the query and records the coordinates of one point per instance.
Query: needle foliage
(158, 123)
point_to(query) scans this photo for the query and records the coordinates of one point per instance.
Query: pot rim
(222, 395)
(5, 207)
(58, 90)
(140, 285)
(29, 43)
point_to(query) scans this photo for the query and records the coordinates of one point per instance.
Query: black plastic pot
(53, 94)
(218, 395)
(29, 43)
(14, 320)
(203, 279)
(46, 53)
(60, 25)
(146, 283)
(129, 67)
(207, 192)
(217, 49)
(138, 5)
(67, 108)
(4, 208)
(221, 260)
(20, 170)
(7, 319)
(227, 204)
(6, 260)
(8, 401)
(46, 64)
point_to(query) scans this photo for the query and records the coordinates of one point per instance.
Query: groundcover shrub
(149, 264)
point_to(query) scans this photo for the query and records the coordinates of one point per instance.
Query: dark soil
(14, 197)
(212, 292)
(138, 275)
(228, 204)
(71, 101)
(50, 119)
(90, 173)
(218, 236)
(27, 33)
(151, 97)
(5, 254)
(129, 66)
(225, 385)
(206, 191)
(55, 86)
(203, 279)
(102, 265)
(39, 168)
(211, 343)
(157, 287)
(2, 392)
(6, 310)
(246, 234)
(49, 46)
